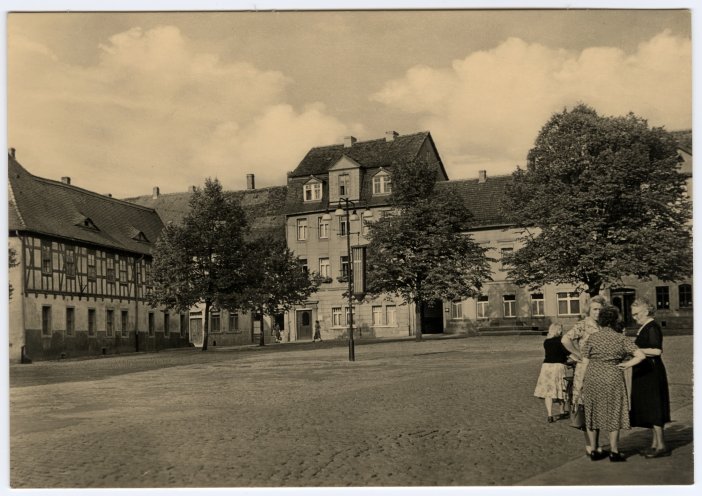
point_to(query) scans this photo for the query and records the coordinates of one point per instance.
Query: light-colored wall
(16, 314)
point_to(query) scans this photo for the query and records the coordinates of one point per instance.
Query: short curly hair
(608, 317)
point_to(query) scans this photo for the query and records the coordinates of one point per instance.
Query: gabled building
(265, 213)
(360, 172)
(84, 269)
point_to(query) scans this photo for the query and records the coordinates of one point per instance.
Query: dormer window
(84, 221)
(382, 184)
(343, 185)
(137, 235)
(312, 191)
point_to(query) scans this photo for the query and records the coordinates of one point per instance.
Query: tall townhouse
(84, 268)
(360, 172)
(264, 209)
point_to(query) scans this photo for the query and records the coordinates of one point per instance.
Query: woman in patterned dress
(551, 382)
(573, 342)
(650, 399)
(604, 391)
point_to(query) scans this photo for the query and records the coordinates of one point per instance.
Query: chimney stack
(390, 136)
(12, 152)
(109, 195)
(349, 141)
(66, 180)
(482, 176)
(250, 181)
(157, 192)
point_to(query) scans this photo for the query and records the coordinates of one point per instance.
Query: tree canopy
(600, 198)
(202, 260)
(420, 252)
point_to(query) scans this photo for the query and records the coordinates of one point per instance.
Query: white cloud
(154, 111)
(486, 110)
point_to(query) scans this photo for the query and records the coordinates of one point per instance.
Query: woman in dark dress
(650, 400)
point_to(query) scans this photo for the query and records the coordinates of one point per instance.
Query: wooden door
(197, 336)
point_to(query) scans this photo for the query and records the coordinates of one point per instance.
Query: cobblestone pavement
(442, 412)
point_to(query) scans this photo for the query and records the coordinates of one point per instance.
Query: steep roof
(264, 207)
(372, 154)
(482, 199)
(53, 208)
(684, 139)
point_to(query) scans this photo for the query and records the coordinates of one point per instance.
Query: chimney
(250, 181)
(390, 136)
(66, 180)
(12, 152)
(157, 192)
(109, 195)
(482, 176)
(349, 141)
(191, 189)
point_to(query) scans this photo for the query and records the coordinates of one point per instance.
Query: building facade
(83, 272)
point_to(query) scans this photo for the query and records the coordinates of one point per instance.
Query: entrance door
(304, 324)
(433, 317)
(197, 336)
(622, 298)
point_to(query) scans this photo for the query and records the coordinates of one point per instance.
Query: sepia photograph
(344, 248)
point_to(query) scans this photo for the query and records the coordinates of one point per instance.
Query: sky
(122, 102)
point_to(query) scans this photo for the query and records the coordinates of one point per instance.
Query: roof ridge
(370, 140)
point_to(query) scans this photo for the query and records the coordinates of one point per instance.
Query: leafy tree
(276, 280)
(421, 253)
(12, 262)
(601, 198)
(202, 260)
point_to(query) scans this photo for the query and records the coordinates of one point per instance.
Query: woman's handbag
(577, 417)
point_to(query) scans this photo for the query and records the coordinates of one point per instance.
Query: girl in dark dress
(551, 382)
(650, 400)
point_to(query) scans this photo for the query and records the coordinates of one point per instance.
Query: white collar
(650, 319)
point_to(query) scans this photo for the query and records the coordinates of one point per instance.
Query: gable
(344, 163)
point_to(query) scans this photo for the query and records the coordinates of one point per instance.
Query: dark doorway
(622, 298)
(433, 317)
(304, 324)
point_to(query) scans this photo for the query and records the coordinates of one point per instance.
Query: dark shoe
(659, 453)
(551, 420)
(616, 457)
(598, 455)
(647, 451)
(565, 415)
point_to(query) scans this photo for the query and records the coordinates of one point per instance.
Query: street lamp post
(345, 211)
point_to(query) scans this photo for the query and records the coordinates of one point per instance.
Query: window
(456, 310)
(324, 267)
(381, 184)
(110, 273)
(344, 266)
(70, 262)
(662, 298)
(147, 274)
(323, 228)
(70, 321)
(509, 305)
(166, 324)
(301, 229)
(183, 325)
(364, 224)
(91, 322)
(568, 303)
(685, 296)
(152, 324)
(215, 322)
(109, 322)
(377, 313)
(336, 316)
(391, 315)
(46, 320)
(313, 191)
(537, 305)
(482, 307)
(125, 323)
(303, 262)
(92, 272)
(343, 226)
(233, 322)
(46, 257)
(353, 314)
(344, 185)
(505, 252)
(123, 270)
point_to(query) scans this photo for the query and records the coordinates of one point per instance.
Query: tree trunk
(262, 337)
(206, 332)
(419, 314)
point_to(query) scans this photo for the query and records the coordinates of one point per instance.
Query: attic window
(382, 184)
(87, 223)
(312, 191)
(140, 236)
